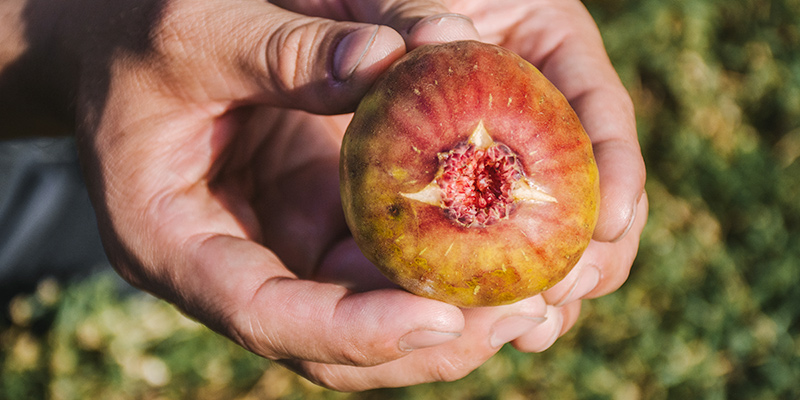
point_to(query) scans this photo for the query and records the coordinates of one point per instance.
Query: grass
(712, 307)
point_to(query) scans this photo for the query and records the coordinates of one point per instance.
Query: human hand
(562, 40)
(214, 196)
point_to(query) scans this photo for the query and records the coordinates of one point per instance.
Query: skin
(426, 103)
(215, 181)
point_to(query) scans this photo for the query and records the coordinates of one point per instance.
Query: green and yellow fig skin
(429, 102)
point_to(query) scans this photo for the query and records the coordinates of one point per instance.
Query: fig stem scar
(479, 182)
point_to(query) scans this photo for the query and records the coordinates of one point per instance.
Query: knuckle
(324, 375)
(287, 57)
(350, 354)
(449, 369)
(336, 377)
(252, 336)
(295, 63)
(282, 55)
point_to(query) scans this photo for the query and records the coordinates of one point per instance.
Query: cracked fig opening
(479, 182)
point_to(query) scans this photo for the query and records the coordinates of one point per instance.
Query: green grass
(712, 307)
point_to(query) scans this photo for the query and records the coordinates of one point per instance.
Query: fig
(466, 176)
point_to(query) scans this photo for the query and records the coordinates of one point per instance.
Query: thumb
(243, 291)
(280, 58)
(418, 21)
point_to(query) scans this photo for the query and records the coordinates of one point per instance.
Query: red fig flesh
(466, 176)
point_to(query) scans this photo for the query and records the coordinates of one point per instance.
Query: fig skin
(427, 103)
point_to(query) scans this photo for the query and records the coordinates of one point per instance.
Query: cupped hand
(216, 184)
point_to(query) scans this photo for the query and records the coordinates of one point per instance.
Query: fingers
(582, 280)
(614, 259)
(564, 42)
(440, 28)
(607, 115)
(418, 21)
(485, 332)
(603, 267)
(619, 160)
(558, 321)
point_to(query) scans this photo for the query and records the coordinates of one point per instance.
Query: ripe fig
(466, 176)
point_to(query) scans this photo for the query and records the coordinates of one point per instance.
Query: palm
(219, 208)
(279, 178)
(281, 168)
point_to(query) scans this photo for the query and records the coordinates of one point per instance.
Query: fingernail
(351, 50)
(630, 221)
(421, 339)
(510, 328)
(458, 27)
(587, 280)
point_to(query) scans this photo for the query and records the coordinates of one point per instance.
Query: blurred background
(712, 307)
